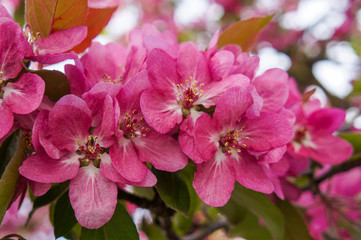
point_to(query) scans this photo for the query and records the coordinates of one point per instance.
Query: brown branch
(203, 233)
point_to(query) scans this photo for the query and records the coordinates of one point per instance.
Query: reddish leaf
(97, 19)
(47, 16)
(243, 33)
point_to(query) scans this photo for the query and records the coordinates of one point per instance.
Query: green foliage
(7, 150)
(120, 226)
(261, 206)
(153, 232)
(354, 139)
(64, 217)
(10, 178)
(295, 226)
(173, 190)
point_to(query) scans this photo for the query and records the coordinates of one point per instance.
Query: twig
(203, 233)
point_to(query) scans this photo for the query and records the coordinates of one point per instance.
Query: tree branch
(203, 233)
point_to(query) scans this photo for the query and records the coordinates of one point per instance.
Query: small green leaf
(144, 192)
(64, 217)
(10, 177)
(261, 206)
(48, 197)
(56, 83)
(295, 226)
(243, 33)
(120, 226)
(153, 232)
(234, 212)
(250, 229)
(7, 150)
(354, 139)
(173, 190)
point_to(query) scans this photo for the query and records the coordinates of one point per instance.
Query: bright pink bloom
(180, 85)
(136, 141)
(225, 143)
(74, 142)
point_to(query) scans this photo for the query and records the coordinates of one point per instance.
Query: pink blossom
(137, 142)
(225, 142)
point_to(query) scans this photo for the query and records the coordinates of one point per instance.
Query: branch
(203, 233)
(344, 167)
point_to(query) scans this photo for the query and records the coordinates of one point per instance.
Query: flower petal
(92, 197)
(41, 168)
(6, 119)
(24, 95)
(250, 174)
(221, 64)
(162, 151)
(126, 161)
(214, 181)
(161, 112)
(326, 120)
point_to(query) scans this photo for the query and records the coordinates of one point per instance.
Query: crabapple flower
(314, 128)
(180, 85)
(226, 141)
(137, 142)
(77, 154)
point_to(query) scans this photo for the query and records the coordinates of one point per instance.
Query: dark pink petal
(149, 181)
(129, 95)
(77, 80)
(272, 86)
(162, 151)
(329, 149)
(24, 95)
(214, 181)
(92, 197)
(53, 58)
(221, 64)
(254, 110)
(13, 47)
(326, 120)
(6, 119)
(206, 135)
(250, 174)
(126, 161)
(214, 90)
(246, 65)
(188, 146)
(281, 167)
(135, 63)
(273, 156)
(41, 168)
(108, 171)
(61, 41)
(163, 72)
(192, 64)
(212, 46)
(109, 69)
(270, 130)
(45, 140)
(347, 183)
(160, 112)
(69, 121)
(39, 189)
(231, 106)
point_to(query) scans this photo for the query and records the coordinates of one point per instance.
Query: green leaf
(261, 206)
(47, 16)
(243, 33)
(234, 212)
(173, 190)
(7, 150)
(56, 83)
(250, 229)
(64, 217)
(120, 226)
(295, 226)
(153, 232)
(48, 197)
(10, 177)
(144, 192)
(354, 139)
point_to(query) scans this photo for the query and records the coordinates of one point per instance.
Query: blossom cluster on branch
(127, 112)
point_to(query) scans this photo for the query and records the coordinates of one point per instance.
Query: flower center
(90, 150)
(231, 142)
(134, 125)
(107, 78)
(189, 93)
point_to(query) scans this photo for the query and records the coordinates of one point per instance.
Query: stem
(203, 233)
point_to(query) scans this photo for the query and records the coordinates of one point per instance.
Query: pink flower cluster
(161, 102)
